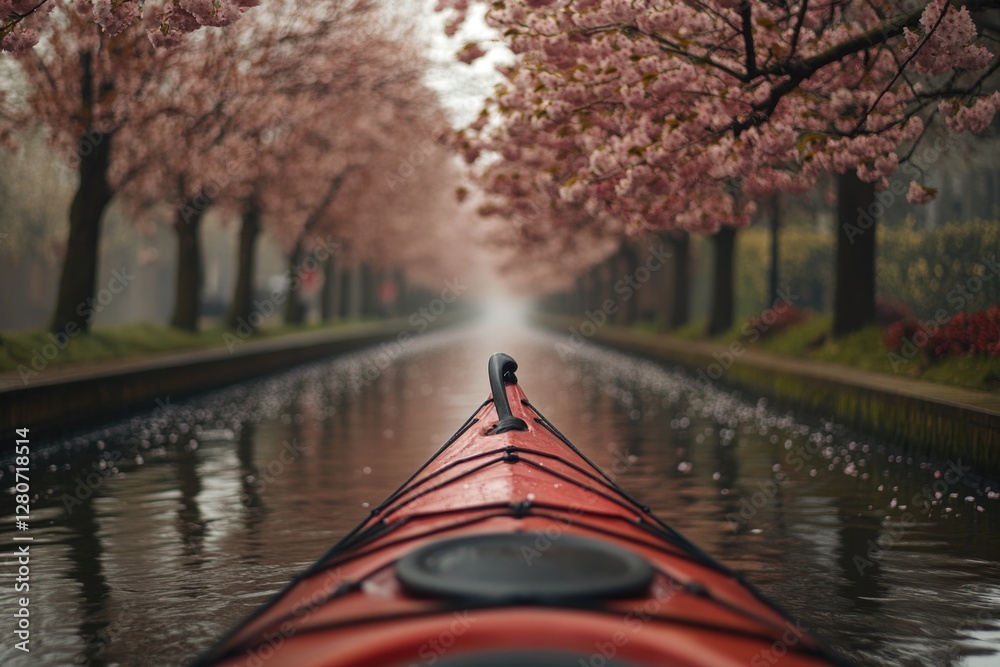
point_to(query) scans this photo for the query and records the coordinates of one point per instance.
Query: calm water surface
(155, 535)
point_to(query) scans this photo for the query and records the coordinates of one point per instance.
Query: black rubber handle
(502, 367)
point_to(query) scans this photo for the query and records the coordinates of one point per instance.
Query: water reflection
(84, 567)
(211, 505)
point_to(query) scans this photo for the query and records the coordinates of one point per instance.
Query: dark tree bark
(369, 291)
(630, 299)
(346, 287)
(594, 287)
(854, 281)
(187, 295)
(242, 302)
(399, 276)
(295, 310)
(680, 311)
(773, 273)
(721, 317)
(329, 300)
(78, 279)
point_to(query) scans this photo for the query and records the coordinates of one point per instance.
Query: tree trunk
(329, 301)
(77, 282)
(593, 287)
(399, 276)
(721, 318)
(680, 311)
(295, 310)
(579, 294)
(854, 282)
(242, 303)
(773, 274)
(369, 291)
(346, 285)
(631, 297)
(187, 295)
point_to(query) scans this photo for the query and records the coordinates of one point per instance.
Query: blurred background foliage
(923, 269)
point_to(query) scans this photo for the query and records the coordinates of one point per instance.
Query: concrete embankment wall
(63, 399)
(937, 421)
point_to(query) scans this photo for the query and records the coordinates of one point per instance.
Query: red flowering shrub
(903, 332)
(968, 333)
(964, 334)
(775, 320)
(889, 311)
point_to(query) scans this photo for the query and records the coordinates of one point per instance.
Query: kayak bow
(509, 547)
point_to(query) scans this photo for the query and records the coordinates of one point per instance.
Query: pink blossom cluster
(166, 21)
(672, 114)
(945, 40)
(19, 21)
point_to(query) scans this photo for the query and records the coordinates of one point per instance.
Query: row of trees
(307, 122)
(629, 118)
(165, 22)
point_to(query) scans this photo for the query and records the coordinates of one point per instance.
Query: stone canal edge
(928, 419)
(64, 399)
(932, 420)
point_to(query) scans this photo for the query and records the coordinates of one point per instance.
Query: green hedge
(805, 269)
(948, 268)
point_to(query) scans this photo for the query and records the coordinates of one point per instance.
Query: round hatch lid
(524, 568)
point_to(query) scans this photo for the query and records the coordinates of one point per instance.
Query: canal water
(154, 535)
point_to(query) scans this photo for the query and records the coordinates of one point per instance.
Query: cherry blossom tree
(344, 96)
(88, 90)
(420, 225)
(682, 114)
(195, 150)
(164, 23)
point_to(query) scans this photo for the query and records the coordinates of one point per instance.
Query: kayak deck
(510, 547)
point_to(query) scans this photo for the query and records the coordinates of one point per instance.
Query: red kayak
(509, 547)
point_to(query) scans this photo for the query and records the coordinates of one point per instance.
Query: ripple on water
(177, 522)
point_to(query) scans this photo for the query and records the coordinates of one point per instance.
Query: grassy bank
(808, 340)
(864, 349)
(134, 340)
